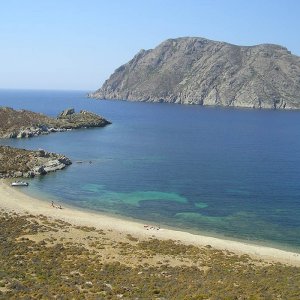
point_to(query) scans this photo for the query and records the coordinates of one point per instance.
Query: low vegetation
(24, 123)
(16, 162)
(11, 119)
(52, 259)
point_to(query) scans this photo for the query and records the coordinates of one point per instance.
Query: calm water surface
(225, 172)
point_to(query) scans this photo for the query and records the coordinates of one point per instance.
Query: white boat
(19, 183)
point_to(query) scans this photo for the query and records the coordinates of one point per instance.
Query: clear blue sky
(77, 44)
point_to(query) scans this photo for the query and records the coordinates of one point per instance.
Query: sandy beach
(12, 199)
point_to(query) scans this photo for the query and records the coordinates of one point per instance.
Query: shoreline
(12, 199)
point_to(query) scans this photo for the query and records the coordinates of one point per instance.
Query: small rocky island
(26, 163)
(24, 123)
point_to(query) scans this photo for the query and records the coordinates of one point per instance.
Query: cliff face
(200, 71)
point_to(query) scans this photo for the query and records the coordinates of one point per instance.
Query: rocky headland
(24, 123)
(26, 163)
(194, 70)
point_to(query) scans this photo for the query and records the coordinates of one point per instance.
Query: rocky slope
(24, 123)
(199, 71)
(25, 163)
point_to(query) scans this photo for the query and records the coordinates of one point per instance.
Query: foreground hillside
(200, 71)
(43, 258)
(24, 123)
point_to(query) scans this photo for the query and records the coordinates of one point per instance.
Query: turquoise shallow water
(227, 172)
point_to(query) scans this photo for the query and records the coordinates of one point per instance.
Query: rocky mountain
(26, 163)
(24, 123)
(195, 70)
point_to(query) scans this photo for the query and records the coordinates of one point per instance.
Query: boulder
(18, 174)
(41, 153)
(67, 112)
(39, 170)
(29, 174)
(53, 165)
(65, 160)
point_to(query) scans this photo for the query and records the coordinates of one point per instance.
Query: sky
(77, 44)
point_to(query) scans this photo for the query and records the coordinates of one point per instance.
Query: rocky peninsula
(27, 163)
(24, 123)
(193, 70)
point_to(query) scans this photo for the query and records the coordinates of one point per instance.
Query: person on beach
(152, 227)
(56, 206)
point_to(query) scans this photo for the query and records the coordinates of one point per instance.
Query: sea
(223, 172)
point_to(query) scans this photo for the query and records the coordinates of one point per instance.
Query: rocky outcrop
(200, 71)
(66, 112)
(25, 124)
(68, 119)
(25, 163)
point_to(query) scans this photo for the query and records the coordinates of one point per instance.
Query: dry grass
(20, 160)
(13, 121)
(10, 119)
(52, 259)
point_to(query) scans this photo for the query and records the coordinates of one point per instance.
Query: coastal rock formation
(66, 112)
(25, 124)
(68, 119)
(26, 163)
(195, 70)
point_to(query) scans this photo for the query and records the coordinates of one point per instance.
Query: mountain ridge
(191, 70)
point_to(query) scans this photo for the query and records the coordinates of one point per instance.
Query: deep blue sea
(233, 173)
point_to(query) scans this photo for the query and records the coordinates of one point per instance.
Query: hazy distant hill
(199, 71)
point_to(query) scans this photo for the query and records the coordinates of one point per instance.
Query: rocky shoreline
(15, 163)
(26, 124)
